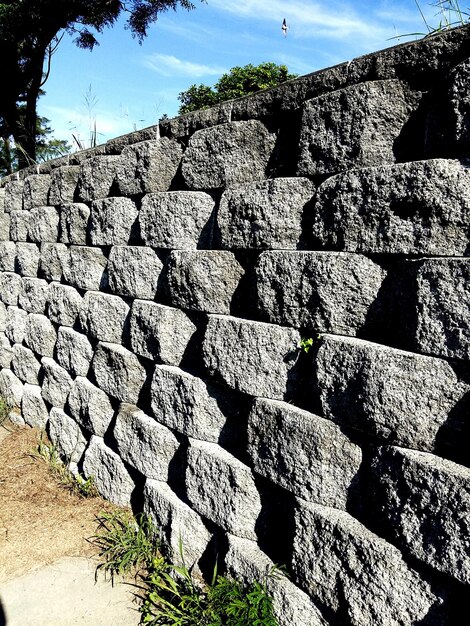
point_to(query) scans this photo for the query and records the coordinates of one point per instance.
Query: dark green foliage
(239, 82)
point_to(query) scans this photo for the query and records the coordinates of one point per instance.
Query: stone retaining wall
(155, 295)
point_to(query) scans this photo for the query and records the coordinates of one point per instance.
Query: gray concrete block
(185, 403)
(423, 503)
(6, 351)
(144, 443)
(54, 258)
(85, 267)
(304, 453)
(74, 351)
(103, 316)
(159, 332)
(7, 256)
(65, 434)
(11, 391)
(96, 177)
(202, 280)
(36, 191)
(63, 304)
(244, 560)
(253, 357)
(347, 568)
(16, 324)
(227, 154)
(40, 334)
(264, 215)
(5, 225)
(56, 384)
(232, 501)
(109, 473)
(10, 286)
(118, 372)
(400, 397)
(134, 271)
(33, 295)
(74, 223)
(178, 522)
(63, 184)
(33, 407)
(89, 406)
(43, 225)
(3, 317)
(19, 225)
(323, 291)
(149, 166)
(25, 365)
(27, 259)
(112, 221)
(177, 219)
(13, 200)
(353, 127)
(421, 207)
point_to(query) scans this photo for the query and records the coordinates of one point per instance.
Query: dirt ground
(40, 521)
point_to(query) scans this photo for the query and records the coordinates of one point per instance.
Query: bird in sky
(284, 27)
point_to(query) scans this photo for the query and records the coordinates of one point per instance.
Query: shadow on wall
(3, 619)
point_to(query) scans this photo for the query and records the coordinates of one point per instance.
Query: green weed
(4, 411)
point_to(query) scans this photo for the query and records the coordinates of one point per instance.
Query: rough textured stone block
(421, 207)
(5, 225)
(177, 219)
(74, 351)
(149, 166)
(266, 214)
(33, 295)
(325, 291)
(19, 225)
(65, 434)
(252, 357)
(178, 522)
(74, 223)
(33, 408)
(56, 384)
(13, 196)
(85, 267)
(40, 334)
(118, 372)
(10, 286)
(16, 324)
(90, 406)
(96, 178)
(103, 316)
(144, 443)
(43, 225)
(25, 365)
(63, 184)
(54, 257)
(63, 304)
(440, 321)
(302, 452)
(6, 351)
(134, 271)
(232, 501)
(112, 221)
(353, 127)
(185, 403)
(245, 561)
(36, 190)
(423, 503)
(3, 317)
(202, 280)
(11, 391)
(401, 397)
(109, 473)
(349, 569)
(27, 259)
(7, 256)
(227, 154)
(159, 332)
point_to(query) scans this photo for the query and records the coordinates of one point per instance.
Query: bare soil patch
(40, 521)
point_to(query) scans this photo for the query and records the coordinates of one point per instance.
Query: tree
(31, 30)
(239, 82)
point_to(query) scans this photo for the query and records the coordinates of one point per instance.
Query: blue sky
(130, 86)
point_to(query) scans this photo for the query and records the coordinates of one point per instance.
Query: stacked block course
(156, 293)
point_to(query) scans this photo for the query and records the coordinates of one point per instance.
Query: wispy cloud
(169, 65)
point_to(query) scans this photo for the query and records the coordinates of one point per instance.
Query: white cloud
(169, 65)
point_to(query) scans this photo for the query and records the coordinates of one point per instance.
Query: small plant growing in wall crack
(307, 342)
